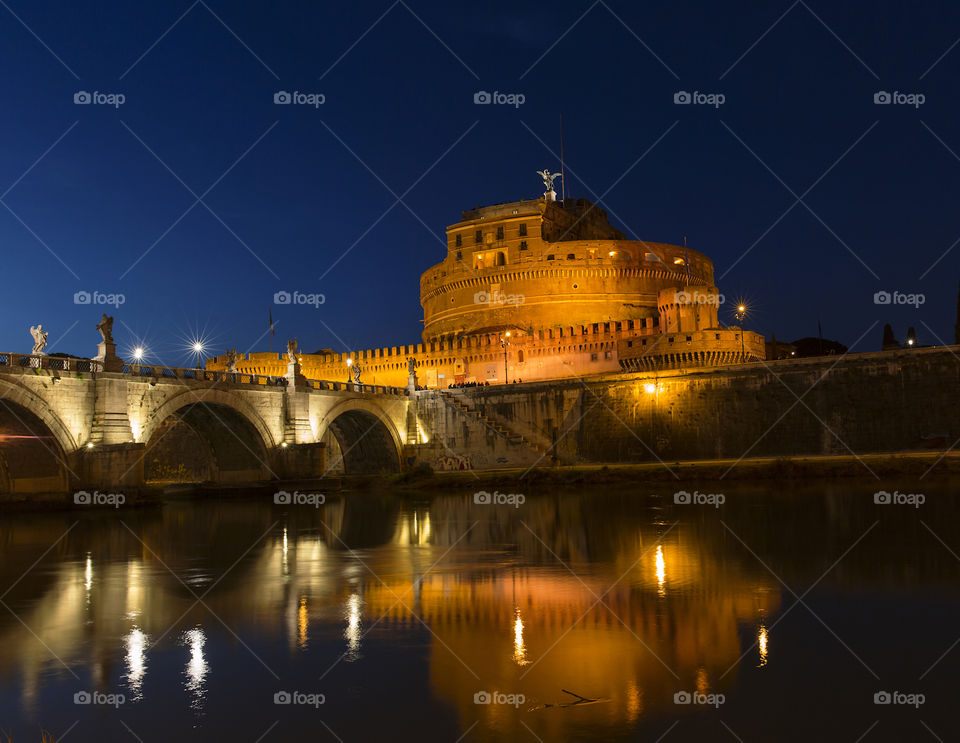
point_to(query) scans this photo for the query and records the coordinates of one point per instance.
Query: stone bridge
(67, 423)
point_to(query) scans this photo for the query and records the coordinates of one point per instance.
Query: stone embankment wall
(860, 403)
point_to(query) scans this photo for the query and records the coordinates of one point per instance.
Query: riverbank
(895, 470)
(902, 471)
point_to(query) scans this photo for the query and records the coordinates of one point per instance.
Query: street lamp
(740, 314)
(503, 344)
(198, 349)
(349, 364)
(138, 353)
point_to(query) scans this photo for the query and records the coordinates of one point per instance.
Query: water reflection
(483, 601)
(197, 668)
(136, 642)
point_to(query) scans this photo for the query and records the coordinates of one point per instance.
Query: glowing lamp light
(198, 347)
(90, 445)
(508, 334)
(649, 388)
(138, 353)
(741, 308)
(349, 362)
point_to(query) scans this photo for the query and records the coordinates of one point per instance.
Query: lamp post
(197, 350)
(349, 364)
(503, 344)
(740, 314)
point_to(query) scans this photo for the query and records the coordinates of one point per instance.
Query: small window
(689, 339)
(608, 355)
(478, 237)
(629, 344)
(520, 357)
(523, 245)
(643, 341)
(523, 229)
(459, 239)
(571, 257)
(500, 232)
(593, 357)
(551, 257)
(717, 336)
(500, 259)
(459, 254)
(670, 340)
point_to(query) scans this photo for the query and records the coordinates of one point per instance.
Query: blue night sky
(103, 198)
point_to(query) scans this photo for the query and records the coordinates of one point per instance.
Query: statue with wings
(548, 178)
(39, 339)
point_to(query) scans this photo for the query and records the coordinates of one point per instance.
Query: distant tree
(889, 340)
(811, 347)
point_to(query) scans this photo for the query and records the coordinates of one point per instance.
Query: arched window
(520, 356)
(500, 260)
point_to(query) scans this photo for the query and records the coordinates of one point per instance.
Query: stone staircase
(493, 426)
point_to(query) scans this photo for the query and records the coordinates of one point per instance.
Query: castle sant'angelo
(545, 289)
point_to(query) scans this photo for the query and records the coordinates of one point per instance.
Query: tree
(889, 340)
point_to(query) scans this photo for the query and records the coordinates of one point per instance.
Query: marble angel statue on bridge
(39, 339)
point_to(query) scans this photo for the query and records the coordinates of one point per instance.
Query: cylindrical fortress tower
(539, 264)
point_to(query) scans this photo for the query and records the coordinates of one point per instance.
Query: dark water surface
(400, 611)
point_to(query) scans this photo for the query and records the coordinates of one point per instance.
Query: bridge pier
(111, 468)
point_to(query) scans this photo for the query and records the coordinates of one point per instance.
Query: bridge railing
(41, 361)
(156, 371)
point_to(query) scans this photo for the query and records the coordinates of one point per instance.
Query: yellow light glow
(138, 353)
(88, 574)
(198, 347)
(352, 632)
(508, 334)
(519, 648)
(741, 308)
(649, 388)
(303, 622)
(762, 644)
(661, 571)
(136, 643)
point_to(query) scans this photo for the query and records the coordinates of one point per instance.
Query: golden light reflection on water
(519, 649)
(303, 623)
(469, 610)
(661, 572)
(762, 644)
(352, 632)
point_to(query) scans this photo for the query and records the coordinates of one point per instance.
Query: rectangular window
(500, 232)
(593, 357)
(459, 254)
(459, 239)
(478, 237)
(608, 355)
(523, 229)
(629, 344)
(523, 245)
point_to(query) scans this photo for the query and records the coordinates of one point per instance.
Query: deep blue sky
(802, 95)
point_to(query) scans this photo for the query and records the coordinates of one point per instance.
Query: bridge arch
(206, 435)
(34, 443)
(366, 436)
(26, 399)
